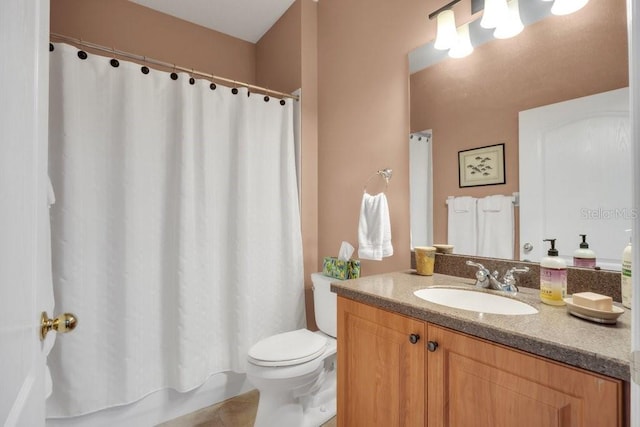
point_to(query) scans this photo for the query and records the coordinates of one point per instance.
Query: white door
(575, 177)
(25, 284)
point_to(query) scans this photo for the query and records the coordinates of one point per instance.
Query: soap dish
(598, 316)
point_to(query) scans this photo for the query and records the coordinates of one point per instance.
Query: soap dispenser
(627, 288)
(584, 257)
(553, 277)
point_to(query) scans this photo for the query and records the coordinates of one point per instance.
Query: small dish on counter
(598, 316)
(443, 249)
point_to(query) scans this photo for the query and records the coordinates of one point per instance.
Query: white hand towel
(463, 203)
(492, 203)
(496, 233)
(374, 230)
(462, 230)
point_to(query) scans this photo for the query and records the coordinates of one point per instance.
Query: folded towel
(374, 230)
(496, 232)
(462, 227)
(492, 203)
(464, 203)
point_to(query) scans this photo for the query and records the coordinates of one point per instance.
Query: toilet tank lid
(288, 346)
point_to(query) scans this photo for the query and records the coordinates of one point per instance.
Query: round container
(443, 249)
(425, 260)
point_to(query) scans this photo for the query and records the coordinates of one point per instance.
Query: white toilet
(295, 371)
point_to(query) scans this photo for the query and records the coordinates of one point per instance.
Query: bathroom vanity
(406, 361)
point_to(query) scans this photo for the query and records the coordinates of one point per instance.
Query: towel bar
(385, 173)
(515, 199)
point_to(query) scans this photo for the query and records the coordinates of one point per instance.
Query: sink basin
(471, 300)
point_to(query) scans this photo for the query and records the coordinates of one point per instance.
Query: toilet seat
(288, 348)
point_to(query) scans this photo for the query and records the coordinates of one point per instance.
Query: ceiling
(244, 19)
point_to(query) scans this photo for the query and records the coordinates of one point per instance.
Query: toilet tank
(325, 304)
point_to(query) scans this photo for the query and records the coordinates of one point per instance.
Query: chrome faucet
(485, 279)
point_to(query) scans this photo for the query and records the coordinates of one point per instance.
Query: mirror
(474, 101)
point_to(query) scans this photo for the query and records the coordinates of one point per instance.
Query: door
(575, 177)
(25, 278)
(472, 382)
(380, 367)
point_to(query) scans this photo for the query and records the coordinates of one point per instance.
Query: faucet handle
(513, 270)
(510, 281)
(476, 264)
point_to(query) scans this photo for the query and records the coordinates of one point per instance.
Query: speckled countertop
(552, 332)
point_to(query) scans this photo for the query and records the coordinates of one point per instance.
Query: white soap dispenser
(627, 288)
(584, 257)
(553, 277)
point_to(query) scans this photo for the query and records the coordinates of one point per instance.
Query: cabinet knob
(414, 338)
(432, 346)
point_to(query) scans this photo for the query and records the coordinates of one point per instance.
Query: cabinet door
(472, 382)
(380, 368)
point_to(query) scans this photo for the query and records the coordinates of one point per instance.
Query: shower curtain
(175, 232)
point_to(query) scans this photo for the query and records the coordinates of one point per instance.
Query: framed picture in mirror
(481, 166)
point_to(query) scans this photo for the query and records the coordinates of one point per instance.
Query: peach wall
(287, 59)
(473, 102)
(363, 115)
(133, 28)
(278, 52)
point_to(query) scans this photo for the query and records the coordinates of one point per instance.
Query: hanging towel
(496, 227)
(463, 204)
(374, 230)
(462, 228)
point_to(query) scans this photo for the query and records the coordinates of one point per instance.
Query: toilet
(295, 372)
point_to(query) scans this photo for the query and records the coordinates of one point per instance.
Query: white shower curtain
(176, 229)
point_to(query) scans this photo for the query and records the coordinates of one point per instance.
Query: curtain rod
(146, 59)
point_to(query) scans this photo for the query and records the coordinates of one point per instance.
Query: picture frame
(481, 166)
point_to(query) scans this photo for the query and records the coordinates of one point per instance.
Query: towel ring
(385, 173)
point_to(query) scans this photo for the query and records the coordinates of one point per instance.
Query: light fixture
(565, 7)
(511, 26)
(463, 46)
(495, 12)
(446, 34)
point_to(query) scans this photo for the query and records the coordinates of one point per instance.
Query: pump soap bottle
(627, 289)
(553, 277)
(584, 257)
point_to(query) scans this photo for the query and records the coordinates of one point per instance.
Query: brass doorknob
(65, 322)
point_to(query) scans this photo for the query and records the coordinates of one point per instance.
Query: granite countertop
(552, 332)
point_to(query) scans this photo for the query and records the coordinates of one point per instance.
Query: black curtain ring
(282, 102)
(212, 86)
(114, 63)
(82, 54)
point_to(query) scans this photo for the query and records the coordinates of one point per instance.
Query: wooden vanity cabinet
(450, 379)
(472, 382)
(380, 368)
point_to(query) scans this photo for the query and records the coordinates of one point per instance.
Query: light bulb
(463, 45)
(512, 26)
(565, 7)
(495, 12)
(446, 34)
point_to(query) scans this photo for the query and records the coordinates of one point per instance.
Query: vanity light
(565, 7)
(512, 26)
(463, 46)
(495, 12)
(446, 34)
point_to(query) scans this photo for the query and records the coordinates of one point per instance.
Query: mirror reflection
(475, 102)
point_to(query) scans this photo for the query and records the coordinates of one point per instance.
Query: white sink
(471, 300)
